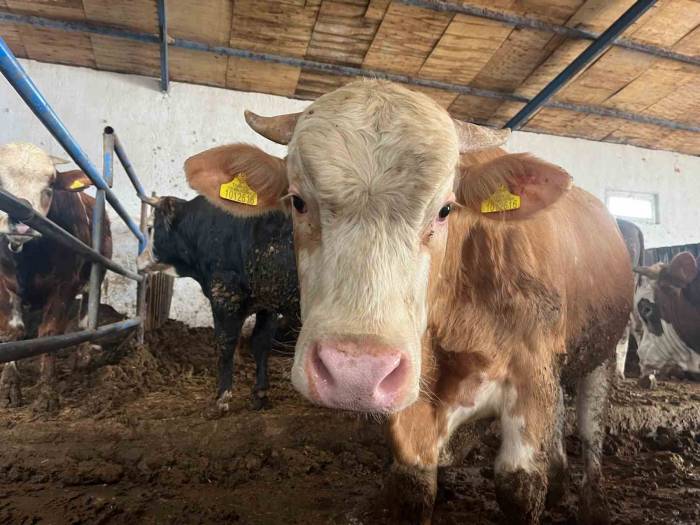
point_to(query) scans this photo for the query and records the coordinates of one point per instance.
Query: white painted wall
(160, 131)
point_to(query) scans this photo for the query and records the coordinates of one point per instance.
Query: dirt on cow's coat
(137, 441)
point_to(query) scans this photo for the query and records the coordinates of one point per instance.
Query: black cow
(244, 266)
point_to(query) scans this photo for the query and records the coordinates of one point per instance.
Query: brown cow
(440, 321)
(37, 273)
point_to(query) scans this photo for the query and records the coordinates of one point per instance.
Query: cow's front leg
(227, 330)
(54, 321)
(591, 413)
(47, 399)
(527, 428)
(260, 345)
(412, 482)
(10, 392)
(11, 329)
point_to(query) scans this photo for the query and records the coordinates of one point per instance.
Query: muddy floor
(137, 441)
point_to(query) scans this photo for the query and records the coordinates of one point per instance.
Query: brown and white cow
(37, 273)
(417, 305)
(668, 301)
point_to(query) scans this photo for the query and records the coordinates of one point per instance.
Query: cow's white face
(29, 174)
(371, 176)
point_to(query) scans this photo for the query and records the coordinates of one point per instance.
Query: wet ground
(136, 441)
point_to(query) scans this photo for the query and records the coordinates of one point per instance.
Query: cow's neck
(489, 298)
(489, 273)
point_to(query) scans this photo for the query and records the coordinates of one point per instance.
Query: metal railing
(13, 350)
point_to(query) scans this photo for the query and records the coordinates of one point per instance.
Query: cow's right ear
(682, 270)
(511, 187)
(238, 178)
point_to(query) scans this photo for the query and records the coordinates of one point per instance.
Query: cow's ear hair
(511, 187)
(167, 208)
(74, 180)
(681, 271)
(263, 174)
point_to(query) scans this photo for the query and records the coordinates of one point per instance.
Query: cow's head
(30, 175)
(668, 291)
(163, 248)
(668, 301)
(371, 176)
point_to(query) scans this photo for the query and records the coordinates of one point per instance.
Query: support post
(98, 214)
(126, 163)
(141, 285)
(163, 26)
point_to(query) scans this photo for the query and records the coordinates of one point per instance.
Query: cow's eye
(46, 195)
(299, 204)
(444, 212)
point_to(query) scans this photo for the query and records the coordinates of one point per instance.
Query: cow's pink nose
(367, 378)
(21, 228)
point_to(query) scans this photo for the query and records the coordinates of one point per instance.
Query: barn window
(634, 206)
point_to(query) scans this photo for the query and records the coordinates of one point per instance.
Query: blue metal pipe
(591, 53)
(163, 27)
(126, 163)
(20, 81)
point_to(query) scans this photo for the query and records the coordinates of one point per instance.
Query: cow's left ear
(511, 187)
(682, 270)
(74, 180)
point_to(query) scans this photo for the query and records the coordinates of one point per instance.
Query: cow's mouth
(16, 241)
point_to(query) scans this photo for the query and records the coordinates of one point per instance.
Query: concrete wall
(160, 131)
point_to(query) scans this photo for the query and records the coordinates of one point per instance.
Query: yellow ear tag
(501, 200)
(238, 190)
(76, 185)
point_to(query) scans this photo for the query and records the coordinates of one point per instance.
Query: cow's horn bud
(278, 129)
(472, 137)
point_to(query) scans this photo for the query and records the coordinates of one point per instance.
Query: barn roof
(482, 59)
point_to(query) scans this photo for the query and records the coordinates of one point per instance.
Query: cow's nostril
(395, 379)
(322, 371)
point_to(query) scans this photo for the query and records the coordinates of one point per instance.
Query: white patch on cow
(515, 453)
(248, 326)
(621, 352)
(657, 353)
(487, 399)
(487, 402)
(16, 322)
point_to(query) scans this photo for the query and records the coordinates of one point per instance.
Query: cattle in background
(439, 295)
(38, 273)
(668, 301)
(634, 240)
(244, 267)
